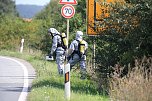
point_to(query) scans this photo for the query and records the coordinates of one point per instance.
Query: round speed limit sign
(68, 11)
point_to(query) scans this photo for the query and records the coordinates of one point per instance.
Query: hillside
(28, 11)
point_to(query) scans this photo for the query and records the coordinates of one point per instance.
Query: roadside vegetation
(127, 37)
(136, 85)
(49, 86)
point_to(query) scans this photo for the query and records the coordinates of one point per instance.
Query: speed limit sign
(68, 11)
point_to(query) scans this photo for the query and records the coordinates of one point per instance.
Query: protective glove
(84, 57)
(50, 55)
(68, 58)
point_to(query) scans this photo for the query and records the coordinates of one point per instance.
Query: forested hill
(28, 11)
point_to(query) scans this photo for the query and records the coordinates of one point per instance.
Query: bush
(136, 86)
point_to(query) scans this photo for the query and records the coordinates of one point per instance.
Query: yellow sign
(97, 10)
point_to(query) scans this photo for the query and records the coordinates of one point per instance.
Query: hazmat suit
(75, 56)
(58, 49)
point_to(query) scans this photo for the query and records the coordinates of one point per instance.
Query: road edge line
(24, 92)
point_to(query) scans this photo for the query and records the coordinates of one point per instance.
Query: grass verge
(49, 86)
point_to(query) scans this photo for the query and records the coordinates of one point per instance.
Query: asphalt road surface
(16, 76)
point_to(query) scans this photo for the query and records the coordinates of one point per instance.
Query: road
(16, 76)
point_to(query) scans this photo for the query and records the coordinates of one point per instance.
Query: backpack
(64, 40)
(82, 47)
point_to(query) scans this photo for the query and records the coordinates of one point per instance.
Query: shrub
(136, 85)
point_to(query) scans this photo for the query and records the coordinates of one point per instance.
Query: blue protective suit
(75, 57)
(57, 48)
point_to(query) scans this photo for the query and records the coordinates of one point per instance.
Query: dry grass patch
(136, 86)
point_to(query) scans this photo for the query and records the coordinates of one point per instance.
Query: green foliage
(7, 7)
(128, 34)
(13, 29)
(8, 35)
(52, 17)
(127, 37)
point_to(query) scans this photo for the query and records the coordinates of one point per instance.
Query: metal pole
(68, 30)
(94, 52)
(67, 72)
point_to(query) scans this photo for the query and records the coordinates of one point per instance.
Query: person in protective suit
(58, 49)
(77, 53)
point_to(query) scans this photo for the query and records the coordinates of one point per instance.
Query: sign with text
(97, 10)
(67, 11)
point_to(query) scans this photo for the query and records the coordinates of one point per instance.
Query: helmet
(53, 31)
(79, 35)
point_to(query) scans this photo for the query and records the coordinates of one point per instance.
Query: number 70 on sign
(67, 11)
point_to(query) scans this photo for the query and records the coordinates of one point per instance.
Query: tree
(128, 36)
(7, 7)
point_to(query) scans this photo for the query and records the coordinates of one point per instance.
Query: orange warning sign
(97, 10)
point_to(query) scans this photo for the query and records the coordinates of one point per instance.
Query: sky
(32, 2)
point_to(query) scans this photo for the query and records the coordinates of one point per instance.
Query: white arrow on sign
(72, 2)
(68, 11)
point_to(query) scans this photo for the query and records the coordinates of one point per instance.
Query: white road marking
(24, 92)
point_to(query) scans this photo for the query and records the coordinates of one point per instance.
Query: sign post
(67, 12)
(68, 30)
(97, 10)
(21, 48)
(67, 81)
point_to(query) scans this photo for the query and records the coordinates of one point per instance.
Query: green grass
(49, 86)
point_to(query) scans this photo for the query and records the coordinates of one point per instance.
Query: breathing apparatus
(82, 47)
(64, 39)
